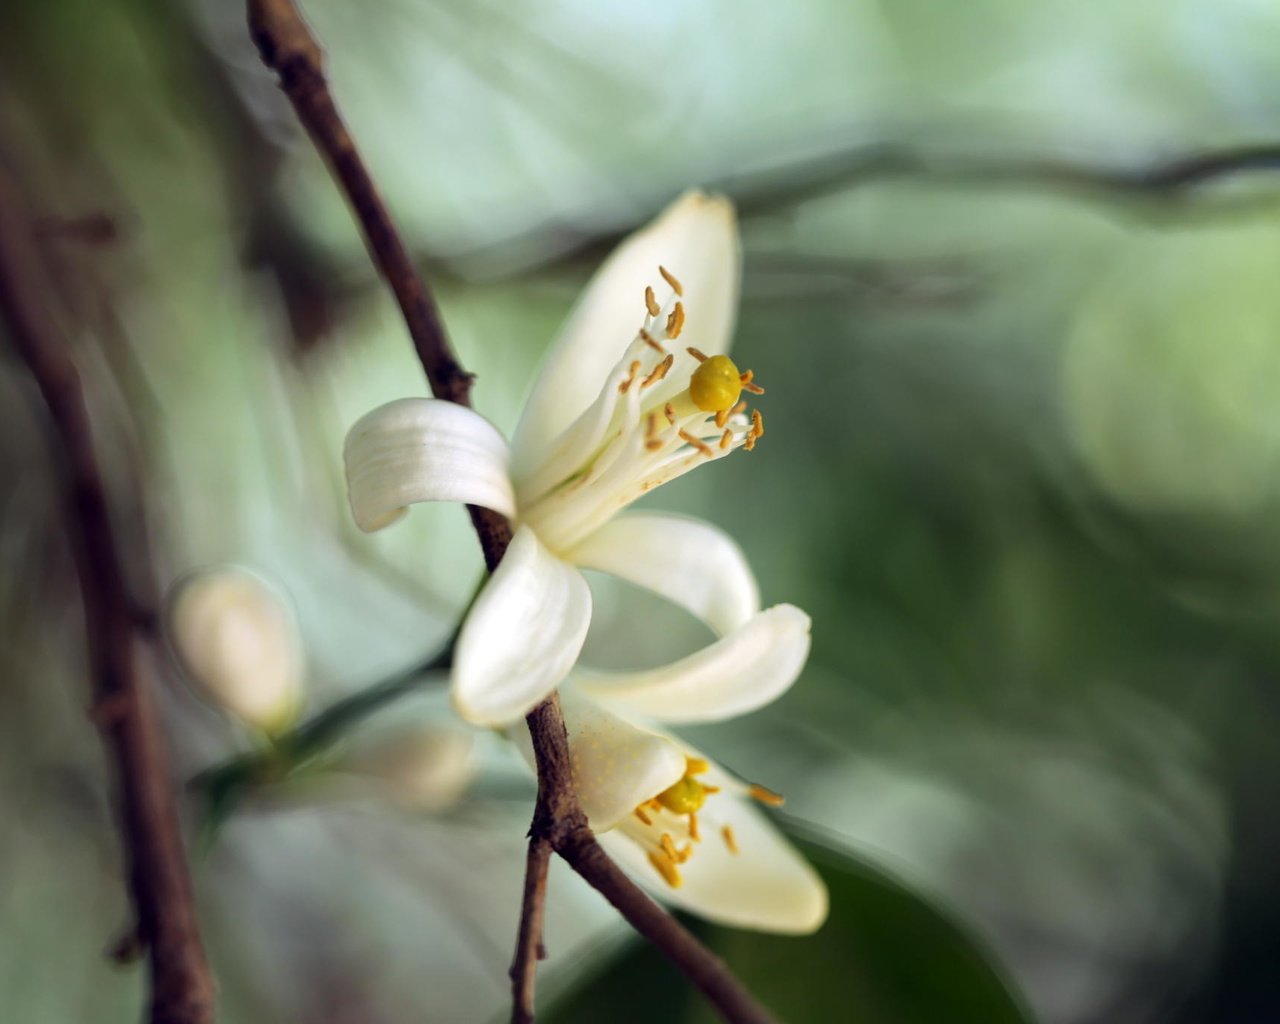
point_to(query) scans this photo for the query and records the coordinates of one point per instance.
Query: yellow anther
(757, 423)
(651, 302)
(698, 443)
(669, 846)
(675, 322)
(715, 385)
(631, 377)
(666, 868)
(684, 797)
(643, 817)
(697, 354)
(722, 417)
(650, 340)
(741, 407)
(696, 765)
(693, 827)
(654, 443)
(659, 372)
(729, 840)
(754, 389)
(670, 278)
(710, 789)
(726, 438)
(765, 796)
(669, 412)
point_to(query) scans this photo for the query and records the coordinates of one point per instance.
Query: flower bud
(236, 639)
(424, 766)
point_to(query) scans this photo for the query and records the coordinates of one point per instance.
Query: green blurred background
(1022, 470)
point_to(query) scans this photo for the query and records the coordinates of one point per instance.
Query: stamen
(666, 868)
(669, 846)
(675, 322)
(766, 796)
(698, 443)
(709, 790)
(650, 340)
(738, 409)
(726, 438)
(651, 302)
(669, 411)
(722, 417)
(631, 378)
(747, 377)
(696, 765)
(693, 827)
(654, 443)
(700, 356)
(757, 423)
(651, 426)
(643, 817)
(729, 840)
(685, 854)
(755, 389)
(670, 278)
(659, 371)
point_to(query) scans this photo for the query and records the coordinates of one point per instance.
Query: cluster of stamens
(677, 807)
(642, 432)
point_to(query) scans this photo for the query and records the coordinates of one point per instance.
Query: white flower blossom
(637, 391)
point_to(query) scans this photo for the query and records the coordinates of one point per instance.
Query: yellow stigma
(715, 384)
(685, 797)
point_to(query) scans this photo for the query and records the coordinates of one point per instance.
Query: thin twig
(288, 47)
(529, 945)
(182, 989)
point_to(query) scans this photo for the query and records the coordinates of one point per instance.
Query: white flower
(672, 819)
(237, 640)
(637, 391)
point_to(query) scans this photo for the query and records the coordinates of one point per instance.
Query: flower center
(672, 817)
(643, 430)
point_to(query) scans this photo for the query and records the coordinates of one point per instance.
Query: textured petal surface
(421, 449)
(522, 636)
(766, 885)
(744, 671)
(690, 562)
(237, 640)
(616, 765)
(696, 238)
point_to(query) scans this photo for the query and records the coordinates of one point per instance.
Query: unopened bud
(237, 640)
(423, 766)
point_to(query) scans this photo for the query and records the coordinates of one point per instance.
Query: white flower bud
(424, 766)
(236, 639)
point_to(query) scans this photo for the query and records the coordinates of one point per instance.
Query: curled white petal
(522, 635)
(766, 885)
(696, 238)
(421, 449)
(616, 765)
(237, 640)
(690, 562)
(739, 673)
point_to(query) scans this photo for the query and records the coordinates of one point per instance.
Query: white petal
(616, 765)
(696, 238)
(237, 640)
(744, 671)
(766, 886)
(522, 635)
(421, 449)
(687, 561)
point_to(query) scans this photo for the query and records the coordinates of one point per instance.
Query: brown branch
(288, 47)
(182, 989)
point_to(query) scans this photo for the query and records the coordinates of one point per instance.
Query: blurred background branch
(182, 990)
